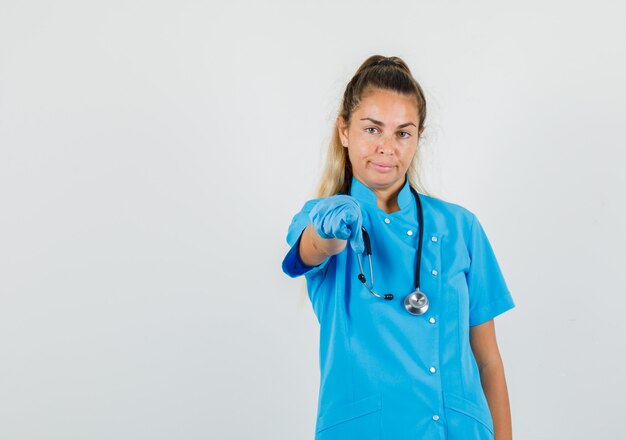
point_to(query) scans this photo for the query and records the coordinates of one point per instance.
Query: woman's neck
(389, 207)
(387, 199)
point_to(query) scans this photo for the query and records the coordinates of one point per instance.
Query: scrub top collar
(365, 195)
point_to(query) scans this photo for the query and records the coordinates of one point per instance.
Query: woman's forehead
(387, 106)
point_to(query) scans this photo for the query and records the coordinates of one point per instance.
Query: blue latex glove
(339, 217)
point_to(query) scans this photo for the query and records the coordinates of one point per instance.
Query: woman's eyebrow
(406, 124)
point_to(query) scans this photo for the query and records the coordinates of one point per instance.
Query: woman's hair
(377, 72)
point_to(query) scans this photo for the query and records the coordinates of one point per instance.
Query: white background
(152, 154)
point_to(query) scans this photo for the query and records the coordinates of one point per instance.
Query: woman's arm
(315, 249)
(485, 348)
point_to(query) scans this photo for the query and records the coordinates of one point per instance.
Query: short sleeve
(292, 263)
(489, 295)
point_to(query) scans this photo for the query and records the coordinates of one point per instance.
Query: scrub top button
(435, 417)
(432, 320)
(387, 221)
(433, 370)
(409, 232)
(434, 272)
(433, 238)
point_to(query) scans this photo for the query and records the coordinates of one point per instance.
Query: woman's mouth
(382, 167)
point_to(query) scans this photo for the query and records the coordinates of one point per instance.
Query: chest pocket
(357, 420)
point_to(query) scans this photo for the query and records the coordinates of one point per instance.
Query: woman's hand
(339, 217)
(333, 221)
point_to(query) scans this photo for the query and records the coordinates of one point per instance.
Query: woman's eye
(405, 134)
(371, 130)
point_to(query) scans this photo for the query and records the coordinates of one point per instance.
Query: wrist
(327, 246)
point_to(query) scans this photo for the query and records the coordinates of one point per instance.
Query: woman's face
(381, 138)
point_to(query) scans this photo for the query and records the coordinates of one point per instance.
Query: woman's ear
(342, 129)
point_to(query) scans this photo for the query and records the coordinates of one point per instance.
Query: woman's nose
(385, 145)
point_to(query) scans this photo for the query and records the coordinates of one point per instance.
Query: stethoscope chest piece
(416, 303)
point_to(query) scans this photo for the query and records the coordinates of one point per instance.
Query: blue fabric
(376, 380)
(339, 217)
(293, 264)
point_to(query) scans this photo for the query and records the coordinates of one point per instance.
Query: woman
(407, 340)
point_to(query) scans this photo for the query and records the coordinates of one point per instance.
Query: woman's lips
(383, 168)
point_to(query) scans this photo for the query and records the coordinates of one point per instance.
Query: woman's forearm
(494, 384)
(315, 249)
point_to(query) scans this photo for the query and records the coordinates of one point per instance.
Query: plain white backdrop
(152, 154)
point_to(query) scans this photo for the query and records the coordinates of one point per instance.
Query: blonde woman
(405, 286)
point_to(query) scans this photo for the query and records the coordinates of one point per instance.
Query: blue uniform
(387, 374)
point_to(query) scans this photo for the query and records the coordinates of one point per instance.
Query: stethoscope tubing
(416, 303)
(420, 225)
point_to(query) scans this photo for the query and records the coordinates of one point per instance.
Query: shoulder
(310, 204)
(300, 221)
(447, 214)
(307, 207)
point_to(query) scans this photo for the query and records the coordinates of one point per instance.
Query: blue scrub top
(386, 374)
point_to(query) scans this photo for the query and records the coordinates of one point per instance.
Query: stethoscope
(416, 302)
